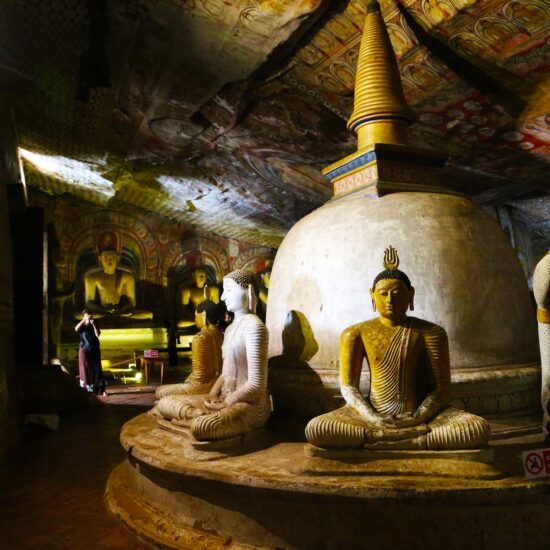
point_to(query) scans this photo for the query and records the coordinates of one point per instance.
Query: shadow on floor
(52, 486)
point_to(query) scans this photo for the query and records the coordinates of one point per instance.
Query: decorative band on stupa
(383, 163)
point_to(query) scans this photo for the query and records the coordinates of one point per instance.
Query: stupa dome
(465, 272)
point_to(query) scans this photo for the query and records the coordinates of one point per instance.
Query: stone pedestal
(279, 498)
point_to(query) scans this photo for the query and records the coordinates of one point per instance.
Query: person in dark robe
(89, 355)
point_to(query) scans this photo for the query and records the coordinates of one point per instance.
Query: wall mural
(192, 271)
(110, 290)
(78, 235)
(134, 272)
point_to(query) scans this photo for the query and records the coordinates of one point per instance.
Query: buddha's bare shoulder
(360, 329)
(252, 322)
(426, 327)
(201, 335)
(93, 273)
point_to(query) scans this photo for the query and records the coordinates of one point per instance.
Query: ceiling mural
(221, 114)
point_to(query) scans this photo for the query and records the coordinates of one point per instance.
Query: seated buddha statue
(109, 290)
(192, 296)
(238, 403)
(408, 403)
(206, 355)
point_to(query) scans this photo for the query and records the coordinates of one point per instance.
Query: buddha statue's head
(392, 293)
(265, 276)
(207, 312)
(239, 291)
(108, 250)
(200, 276)
(109, 261)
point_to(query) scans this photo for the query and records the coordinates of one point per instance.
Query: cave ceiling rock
(203, 86)
(253, 96)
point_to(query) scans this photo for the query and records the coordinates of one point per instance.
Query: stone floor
(51, 489)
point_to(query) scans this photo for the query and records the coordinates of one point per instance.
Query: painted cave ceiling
(221, 114)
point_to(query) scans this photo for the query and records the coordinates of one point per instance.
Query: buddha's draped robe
(411, 373)
(242, 385)
(206, 365)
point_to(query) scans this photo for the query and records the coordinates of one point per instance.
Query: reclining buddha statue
(206, 355)
(238, 403)
(408, 403)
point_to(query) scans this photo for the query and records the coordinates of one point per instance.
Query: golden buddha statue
(194, 295)
(408, 358)
(238, 403)
(265, 277)
(109, 290)
(206, 355)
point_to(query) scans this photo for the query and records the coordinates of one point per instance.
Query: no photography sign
(536, 463)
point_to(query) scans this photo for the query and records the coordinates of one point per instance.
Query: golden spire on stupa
(384, 162)
(380, 114)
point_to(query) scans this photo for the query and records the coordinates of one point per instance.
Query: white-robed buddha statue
(408, 358)
(239, 401)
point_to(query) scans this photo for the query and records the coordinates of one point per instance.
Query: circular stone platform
(277, 497)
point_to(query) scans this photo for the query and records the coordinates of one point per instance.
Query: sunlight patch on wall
(75, 173)
(205, 199)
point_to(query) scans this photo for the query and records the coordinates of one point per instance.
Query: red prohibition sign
(534, 463)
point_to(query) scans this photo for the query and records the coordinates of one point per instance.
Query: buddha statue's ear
(411, 301)
(205, 292)
(250, 298)
(372, 299)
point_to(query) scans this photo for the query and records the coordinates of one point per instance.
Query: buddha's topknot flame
(391, 259)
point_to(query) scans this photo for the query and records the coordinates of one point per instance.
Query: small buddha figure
(238, 402)
(527, 13)
(494, 31)
(541, 290)
(194, 295)
(206, 355)
(110, 291)
(408, 358)
(437, 11)
(265, 277)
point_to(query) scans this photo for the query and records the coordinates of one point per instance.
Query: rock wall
(8, 175)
